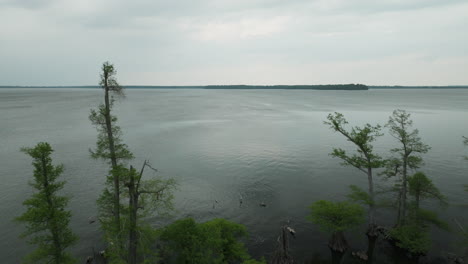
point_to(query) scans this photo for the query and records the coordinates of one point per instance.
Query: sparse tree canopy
(421, 187)
(108, 80)
(46, 217)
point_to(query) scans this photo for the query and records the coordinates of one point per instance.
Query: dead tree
(282, 255)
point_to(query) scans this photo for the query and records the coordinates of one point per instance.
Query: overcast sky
(199, 42)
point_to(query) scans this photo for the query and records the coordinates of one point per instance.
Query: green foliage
(102, 150)
(362, 137)
(215, 241)
(157, 197)
(414, 234)
(110, 147)
(413, 238)
(404, 157)
(336, 216)
(108, 79)
(184, 239)
(425, 217)
(359, 195)
(421, 187)
(254, 261)
(109, 144)
(45, 218)
(399, 125)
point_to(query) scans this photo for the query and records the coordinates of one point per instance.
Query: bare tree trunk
(372, 230)
(370, 248)
(398, 219)
(404, 189)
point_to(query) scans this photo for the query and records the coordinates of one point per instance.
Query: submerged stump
(338, 242)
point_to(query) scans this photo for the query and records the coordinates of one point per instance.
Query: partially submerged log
(360, 255)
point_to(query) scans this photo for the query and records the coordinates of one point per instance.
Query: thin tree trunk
(133, 207)
(371, 230)
(113, 157)
(404, 189)
(398, 220)
(417, 196)
(370, 248)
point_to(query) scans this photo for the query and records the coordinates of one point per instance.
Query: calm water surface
(263, 145)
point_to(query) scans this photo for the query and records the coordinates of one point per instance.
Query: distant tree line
(280, 87)
(293, 87)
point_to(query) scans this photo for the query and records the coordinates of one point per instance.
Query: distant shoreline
(253, 87)
(225, 87)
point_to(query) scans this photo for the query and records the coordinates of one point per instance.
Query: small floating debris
(262, 204)
(91, 220)
(89, 259)
(291, 231)
(361, 255)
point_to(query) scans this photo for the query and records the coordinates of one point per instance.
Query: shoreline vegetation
(358, 87)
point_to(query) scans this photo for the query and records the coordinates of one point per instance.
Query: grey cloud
(27, 4)
(181, 42)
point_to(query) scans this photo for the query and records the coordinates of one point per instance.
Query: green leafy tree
(406, 156)
(412, 237)
(414, 234)
(335, 218)
(215, 241)
(45, 218)
(421, 187)
(109, 147)
(364, 159)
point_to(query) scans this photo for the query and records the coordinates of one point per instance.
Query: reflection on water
(262, 146)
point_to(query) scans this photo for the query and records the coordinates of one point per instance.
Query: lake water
(264, 145)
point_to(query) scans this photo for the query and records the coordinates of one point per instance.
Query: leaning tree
(364, 158)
